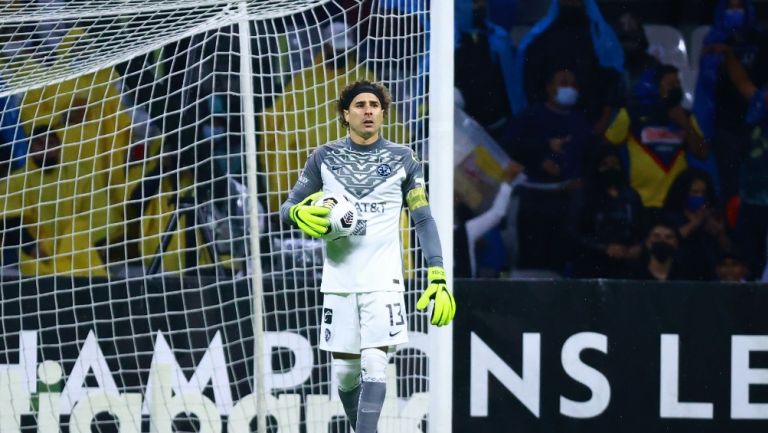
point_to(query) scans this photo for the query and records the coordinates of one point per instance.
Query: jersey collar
(365, 147)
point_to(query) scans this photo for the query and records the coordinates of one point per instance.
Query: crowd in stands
(620, 165)
(626, 173)
(85, 189)
(140, 167)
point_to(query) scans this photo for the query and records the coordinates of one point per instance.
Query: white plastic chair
(666, 43)
(688, 77)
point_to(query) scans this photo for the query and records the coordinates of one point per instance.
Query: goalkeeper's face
(365, 117)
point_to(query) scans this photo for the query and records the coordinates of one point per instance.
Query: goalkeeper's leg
(348, 374)
(373, 389)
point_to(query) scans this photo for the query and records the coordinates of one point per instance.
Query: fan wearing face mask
(550, 139)
(661, 260)
(573, 32)
(692, 206)
(607, 220)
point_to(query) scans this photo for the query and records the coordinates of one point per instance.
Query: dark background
(632, 315)
(670, 12)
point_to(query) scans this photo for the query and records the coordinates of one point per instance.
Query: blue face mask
(695, 202)
(567, 96)
(734, 19)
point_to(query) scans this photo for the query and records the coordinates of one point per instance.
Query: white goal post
(441, 161)
(146, 282)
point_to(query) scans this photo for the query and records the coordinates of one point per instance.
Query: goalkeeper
(364, 314)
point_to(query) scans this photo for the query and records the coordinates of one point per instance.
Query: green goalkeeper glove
(445, 305)
(312, 220)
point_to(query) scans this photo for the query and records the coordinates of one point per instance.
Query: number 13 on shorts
(354, 321)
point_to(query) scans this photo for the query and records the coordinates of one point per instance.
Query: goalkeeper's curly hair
(356, 88)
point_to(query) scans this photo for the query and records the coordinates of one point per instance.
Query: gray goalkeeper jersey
(377, 179)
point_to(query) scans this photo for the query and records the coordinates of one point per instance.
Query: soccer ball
(343, 215)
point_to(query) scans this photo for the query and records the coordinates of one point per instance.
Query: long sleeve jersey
(379, 179)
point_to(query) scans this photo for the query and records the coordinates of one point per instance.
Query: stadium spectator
(80, 133)
(96, 134)
(573, 34)
(96, 130)
(550, 139)
(718, 105)
(478, 73)
(661, 261)
(691, 204)
(752, 223)
(607, 220)
(51, 203)
(468, 228)
(98, 147)
(634, 42)
(657, 133)
(731, 267)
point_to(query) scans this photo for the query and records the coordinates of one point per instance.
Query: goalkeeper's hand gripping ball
(343, 215)
(312, 220)
(437, 290)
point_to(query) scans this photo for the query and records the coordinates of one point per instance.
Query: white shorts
(355, 321)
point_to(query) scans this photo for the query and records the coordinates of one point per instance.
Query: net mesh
(127, 261)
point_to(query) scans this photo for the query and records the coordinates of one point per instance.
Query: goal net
(146, 145)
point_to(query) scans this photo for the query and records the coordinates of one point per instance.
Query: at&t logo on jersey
(369, 207)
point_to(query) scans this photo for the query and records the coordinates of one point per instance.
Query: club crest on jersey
(384, 170)
(327, 334)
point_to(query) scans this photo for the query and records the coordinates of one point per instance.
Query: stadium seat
(697, 42)
(667, 44)
(688, 80)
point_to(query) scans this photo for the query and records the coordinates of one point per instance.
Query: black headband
(363, 88)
